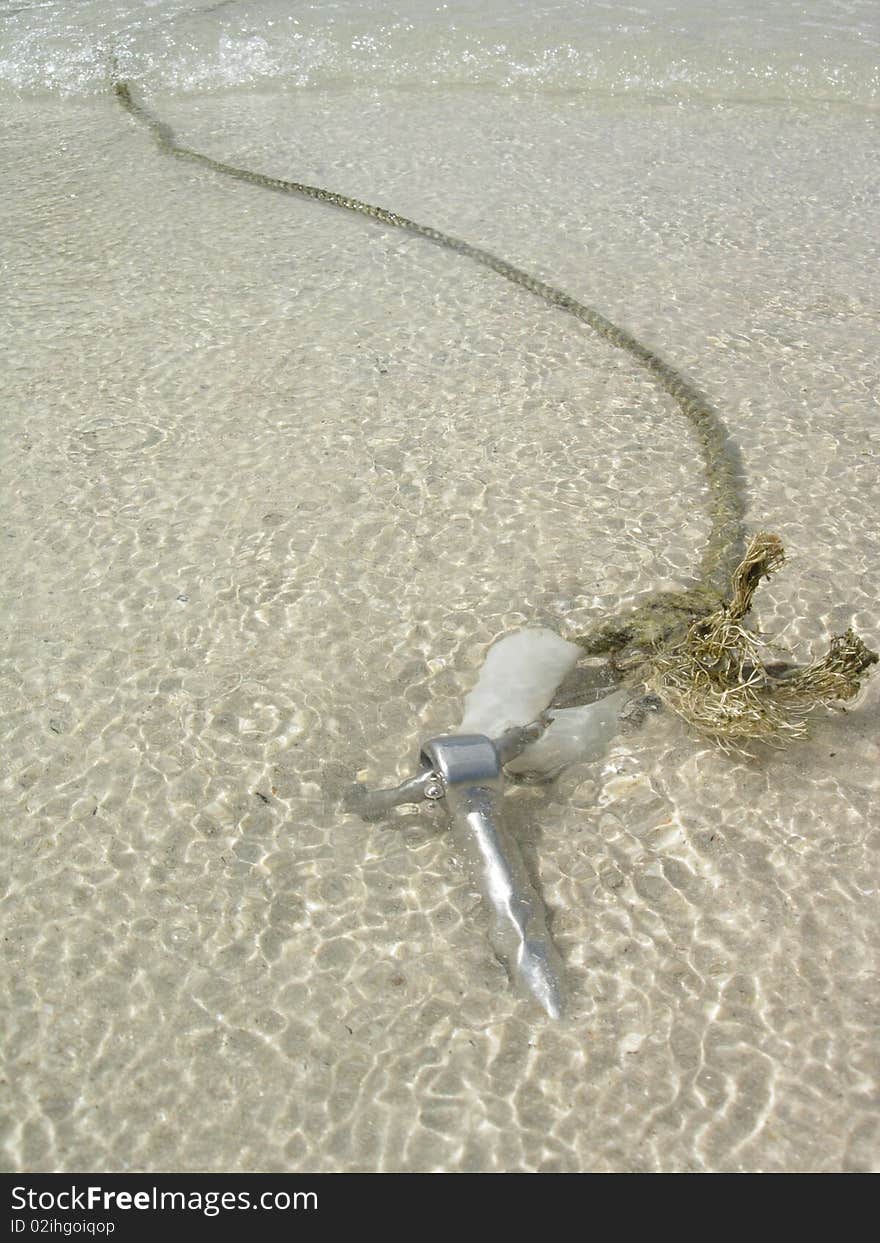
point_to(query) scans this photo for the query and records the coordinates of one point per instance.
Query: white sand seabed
(274, 477)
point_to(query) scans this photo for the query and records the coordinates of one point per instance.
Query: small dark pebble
(635, 711)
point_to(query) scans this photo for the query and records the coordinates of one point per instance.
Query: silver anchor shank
(469, 766)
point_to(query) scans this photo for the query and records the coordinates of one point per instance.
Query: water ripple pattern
(273, 479)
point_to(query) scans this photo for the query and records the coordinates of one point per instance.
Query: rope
(664, 612)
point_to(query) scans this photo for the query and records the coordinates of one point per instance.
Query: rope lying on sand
(724, 544)
(687, 645)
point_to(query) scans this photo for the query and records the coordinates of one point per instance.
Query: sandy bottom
(274, 477)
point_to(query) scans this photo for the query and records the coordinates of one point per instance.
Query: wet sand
(274, 478)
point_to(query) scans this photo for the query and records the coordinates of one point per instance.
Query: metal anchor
(466, 770)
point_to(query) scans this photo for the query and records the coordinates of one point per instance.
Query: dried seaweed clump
(716, 679)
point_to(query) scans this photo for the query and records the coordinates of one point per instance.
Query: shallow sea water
(274, 477)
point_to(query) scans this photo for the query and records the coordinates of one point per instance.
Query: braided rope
(664, 612)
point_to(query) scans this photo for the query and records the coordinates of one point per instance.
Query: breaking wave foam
(754, 49)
